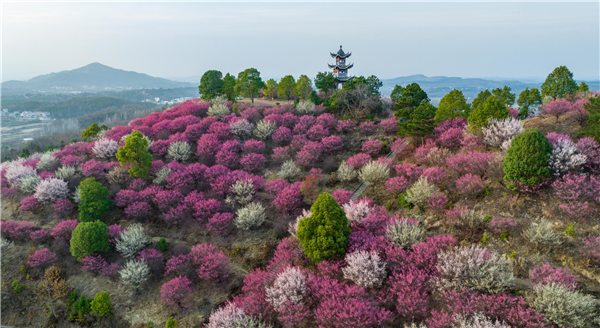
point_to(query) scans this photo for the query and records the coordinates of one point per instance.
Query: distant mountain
(439, 86)
(94, 77)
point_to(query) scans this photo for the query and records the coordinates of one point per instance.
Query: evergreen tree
(480, 99)
(492, 107)
(135, 154)
(559, 83)
(372, 82)
(528, 98)
(228, 87)
(416, 121)
(504, 95)
(410, 96)
(94, 203)
(285, 88)
(592, 126)
(325, 233)
(526, 162)
(451, 106)
(101, 305)
(583, 87)
(325, 82)
(88, 238)
(211, 84)
(91, 131)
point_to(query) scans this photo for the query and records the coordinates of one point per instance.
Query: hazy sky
(176, 40)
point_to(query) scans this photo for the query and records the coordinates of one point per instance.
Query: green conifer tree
(135, 154)
(492, 107)
(526, 162)
(88, 238)
(94, 203)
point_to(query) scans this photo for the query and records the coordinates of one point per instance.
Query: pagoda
(340, 68)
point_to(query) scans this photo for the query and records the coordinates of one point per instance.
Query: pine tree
(416, 121)
(452, 105)
(88, 238)
(324, 233)
(94, 203)
(91, 131)
(492, 107)
(526, 162)
(135, 153)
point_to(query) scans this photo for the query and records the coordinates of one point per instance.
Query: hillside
(296, 216)
(94, 77)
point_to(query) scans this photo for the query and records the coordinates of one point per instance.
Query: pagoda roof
(344, 79)
(333, 66)
(340, 54)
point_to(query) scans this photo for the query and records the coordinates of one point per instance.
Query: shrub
(88, 238)
(305, 107)
(565, 157)
(591, 149)
(309, 154)
(232, 316)
(325, 233)
(420, 192)
(310, 188)
(16, 230)
(405, 232)
(179, 151)
(289, 199)
(64, 229)
(283, 135)
(241, 128)
(16, 172)
(118, 175)
(219, 222)
(276, 186)
(365, 269)
(332, 143)
(499, 133)
(526, 163)
(475, 268)
(367, 127)
(389, 125)
(51, 189)
(46, 163)
(264, 129)
(218, 110)
(372, 147)
(105, 148)
(97, 264)
(317, 132)
(473, 162)
(135, 273)
(132, 240)
(210, 262)
(356, 211)
(28, 204)
(242, 192)
(65, 172)
(358, 160)
(342, 196)
(469, 185)
(42, 257)
(556, 108)
(564, 307)
(396, 185)
(5, 245)
(250, 216)
(29, 183)
(175, 291)
(39, 235)
(253, 162)
(100, 305)
(346, 173)
(345, 125)
(435, 175)
(545, 274)
(476, 320)
(93, 204)
(374, 173)
(542, 234)
(289, 170)
(280, 154)
(289, 286)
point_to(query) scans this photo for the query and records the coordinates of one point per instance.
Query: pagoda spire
(340, 68)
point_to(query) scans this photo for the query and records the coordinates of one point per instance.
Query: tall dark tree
(372, 82)
(325, 82)
(505, 95)
(249, 83)
(452, 105)
(285, 88)
(559, 83)
(228, 87)
(480, 99)
(528, 99)
(410, 96)
(416, 121)
(210, 84)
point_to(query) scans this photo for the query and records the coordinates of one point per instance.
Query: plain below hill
(94, 77)
(439, 86)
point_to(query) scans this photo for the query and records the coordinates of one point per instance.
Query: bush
(98, 265)
(94, 203)
(28, 204)
(342, 196)
(179, 151)
(42, 257)
(289, 286)
(591, 149)
(473, 162)
(132, 240)
(105, 148)
(420, 192)
(545, 274)
(499, 133)
(526, 163)
(372, 147)
(15, 172)
(51, 189)
(564, 307)
(358, 160)
(405, 232)
(250, 216)
(171, 323)
(64, 229)
(365, 269)
(232, 316)
(332, 143)
(542, 234)
(264, 129)
(210, 262)
(556, 108)
(241, 128)
(289, 170)
(176, 291)
(29, 184)
(374, 173)
(101, 305)
(88, 238)
(218, 110)
(135, 273)
(469, 185)
(16, 230)
(356, 211)
(475, 268)
(325, 233)
(253, 162)
(289, 199)
(309, 153)
(46, 163)
(65, 172)
(135, 154)
(565, 157)
(346, 173)
(39, 235)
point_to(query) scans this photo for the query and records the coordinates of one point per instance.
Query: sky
(183, 40)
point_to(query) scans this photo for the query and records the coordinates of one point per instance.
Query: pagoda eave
(333, 66)
(340, 55)
(344, 79)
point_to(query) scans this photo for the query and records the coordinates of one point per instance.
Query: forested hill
(94, 77)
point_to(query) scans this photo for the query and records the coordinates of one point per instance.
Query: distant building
(340, 68)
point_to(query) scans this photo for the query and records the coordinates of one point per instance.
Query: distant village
(167, 102)
(25, 115)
